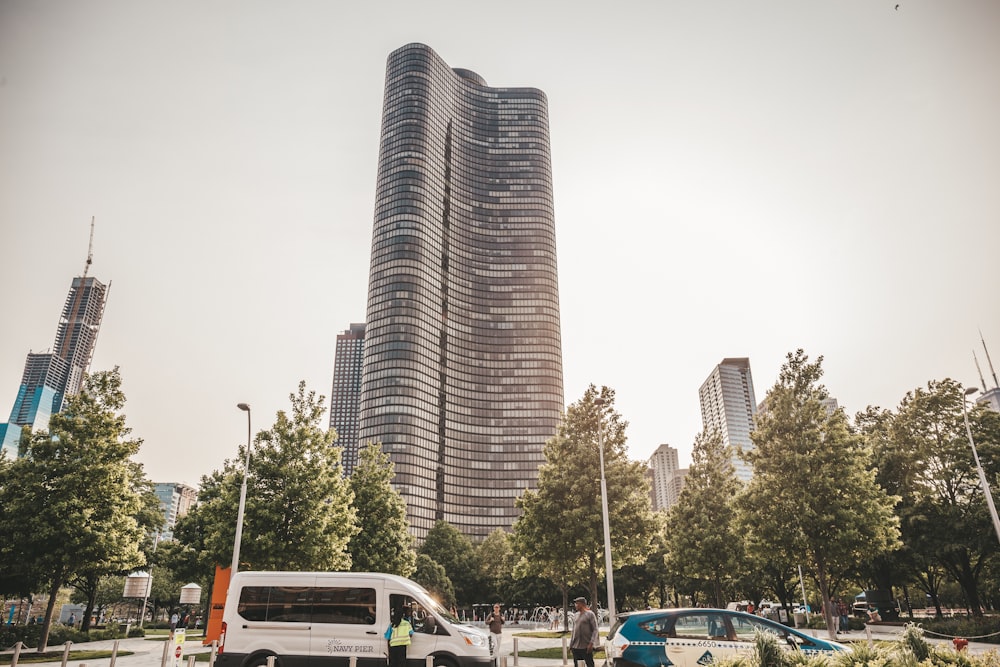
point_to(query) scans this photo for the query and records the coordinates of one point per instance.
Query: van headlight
(473, 638)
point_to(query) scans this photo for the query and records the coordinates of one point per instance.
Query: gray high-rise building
(346, 393)
(462, 380)
(51, 377)
(728, 406)
(667, 477)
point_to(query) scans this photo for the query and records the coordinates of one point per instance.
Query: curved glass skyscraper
(462, 376)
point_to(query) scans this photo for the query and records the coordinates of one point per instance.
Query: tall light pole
(982, 475)
(609, 569)
(243, 497)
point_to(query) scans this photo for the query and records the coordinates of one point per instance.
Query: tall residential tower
(462, 380)
(728, 406)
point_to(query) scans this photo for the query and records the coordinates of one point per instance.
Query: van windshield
(428, 601)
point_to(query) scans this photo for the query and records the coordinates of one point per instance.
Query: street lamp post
(609, 569)
(243, 497)
(982, 475)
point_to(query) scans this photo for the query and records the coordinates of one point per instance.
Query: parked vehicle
(323, 619)
(696, 637)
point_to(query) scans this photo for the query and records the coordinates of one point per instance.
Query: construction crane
(90, 249)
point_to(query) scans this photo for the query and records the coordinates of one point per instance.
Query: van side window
(354, 606)
(277, 604)
(286, 604)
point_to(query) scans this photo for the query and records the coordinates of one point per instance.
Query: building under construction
(50, 377)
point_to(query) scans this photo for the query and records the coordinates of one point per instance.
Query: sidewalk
(149, 653)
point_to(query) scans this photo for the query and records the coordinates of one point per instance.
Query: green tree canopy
(454, 551)
(945, 519)
(813, 493)
(432, 576)
(706, 542)
(495, 558)
(383, 542)
(560, 532)
(74, 504)
(298, 508)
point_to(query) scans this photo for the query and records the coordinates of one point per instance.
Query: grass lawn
(30, 655)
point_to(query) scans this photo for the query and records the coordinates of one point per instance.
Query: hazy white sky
(732, 178)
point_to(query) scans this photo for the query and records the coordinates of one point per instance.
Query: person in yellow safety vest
(398, 635)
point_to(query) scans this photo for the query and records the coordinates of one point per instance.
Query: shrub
(863, 655)
(767, 652)
(913, 641)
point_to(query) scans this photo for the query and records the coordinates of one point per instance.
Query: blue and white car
(697, 637)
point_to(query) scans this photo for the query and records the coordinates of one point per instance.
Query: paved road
(148, 653)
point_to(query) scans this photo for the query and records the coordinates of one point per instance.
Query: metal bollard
(565, 654)
(114, 653)
(166, 652)
(503, 661)
(515, 651)
(429, 661)
(214, 653)
(66, 654)
(868, 631)
(191, 661)
(270, 661)
(17, 654)
(353, 661)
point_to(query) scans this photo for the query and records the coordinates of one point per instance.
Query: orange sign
(213, 629)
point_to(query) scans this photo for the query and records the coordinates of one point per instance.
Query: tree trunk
(89, 611)
(824, 592)
(47, 623)
(565, 592)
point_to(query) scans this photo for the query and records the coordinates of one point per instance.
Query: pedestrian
(843, 611)
(495, 622)
(72, 620)
(398, 635)
(584, 638)
(173, 621)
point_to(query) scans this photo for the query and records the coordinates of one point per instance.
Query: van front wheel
(444, 662)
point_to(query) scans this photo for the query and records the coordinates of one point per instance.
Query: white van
(322, 619)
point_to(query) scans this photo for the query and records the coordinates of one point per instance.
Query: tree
(89, 576)
(561, 531)
(706, 543)
(72, 504)
(298, 510)
(452, 550)
(431, 575)
(495, 559)
(946, 521)
(383, 542)
(813, 493)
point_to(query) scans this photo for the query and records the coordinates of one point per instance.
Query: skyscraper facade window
(462, 380)
(728, 406)
(346, 393)
(50, 377)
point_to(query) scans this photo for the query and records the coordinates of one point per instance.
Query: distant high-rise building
(728, 406)
(51, 377)
(346, 393)
(175, 501)
(462, 380)
(665, 468)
